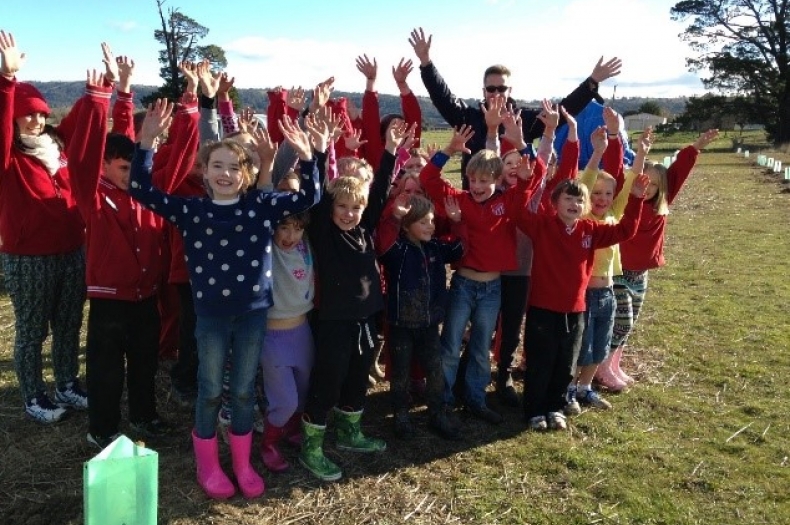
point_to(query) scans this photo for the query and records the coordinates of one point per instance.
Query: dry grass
(700, 439)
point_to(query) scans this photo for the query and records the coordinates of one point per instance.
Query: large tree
(179, 36)
(745, 47)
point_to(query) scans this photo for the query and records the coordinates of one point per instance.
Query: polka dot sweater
(227, 246)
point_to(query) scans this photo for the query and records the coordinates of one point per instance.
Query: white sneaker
(72, 397)
(43, 410)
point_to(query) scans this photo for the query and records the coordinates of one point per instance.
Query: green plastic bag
(120, 485)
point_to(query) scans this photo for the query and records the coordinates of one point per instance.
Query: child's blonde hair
(349, 166)
(349, 187)
(659, 201)
(605, 175)
(245, 161)
(419, 207)
(485, 162)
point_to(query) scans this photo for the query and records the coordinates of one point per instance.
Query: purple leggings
(286, 360)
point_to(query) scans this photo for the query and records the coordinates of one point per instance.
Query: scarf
(44, 149)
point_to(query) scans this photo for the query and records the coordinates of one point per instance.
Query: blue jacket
(417, 280)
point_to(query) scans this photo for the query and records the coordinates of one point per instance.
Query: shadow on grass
(41, 470)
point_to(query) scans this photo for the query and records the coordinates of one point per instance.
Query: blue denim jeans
(598, 325)
(477, 302)
(242, 336)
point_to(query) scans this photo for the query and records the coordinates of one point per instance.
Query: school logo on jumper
(587, 242)
(498, 209)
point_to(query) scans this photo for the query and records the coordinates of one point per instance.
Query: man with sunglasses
(495, 84)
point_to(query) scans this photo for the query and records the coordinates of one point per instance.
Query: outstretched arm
(452, 109)
(11, 59)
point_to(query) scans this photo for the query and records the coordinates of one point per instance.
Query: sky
(549, 45)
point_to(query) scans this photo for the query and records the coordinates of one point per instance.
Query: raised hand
(401, 205)
(321, 94)
(401, 72)
(209, 82)
(189, 70)
(125, 73)
(318, 129)
(421, 45)
(645, 141)
(334, 124)
(95, 78)
(494, 112)
(111, 73)
(604, 70)
(459, 139)
(225, 84)
(526, 167)
(157, 119)
(264, 145)
(367, 68)
(431, 149)
(514, 132)
(549, 115)
(248, 122)
(612, 120)
(599, 140)
(410, 139)
(11, 59)
(296, 137)
(570, 120)
(640, 185)
(706, 138)
(452, 208)
(296, 98)
(354, 140)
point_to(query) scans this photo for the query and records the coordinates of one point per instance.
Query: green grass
(701, 439)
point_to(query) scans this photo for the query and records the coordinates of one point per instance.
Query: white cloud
(125, 26)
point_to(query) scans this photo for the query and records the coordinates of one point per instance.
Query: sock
(583, 389)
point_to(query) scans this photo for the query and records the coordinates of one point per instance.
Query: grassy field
(701, 438)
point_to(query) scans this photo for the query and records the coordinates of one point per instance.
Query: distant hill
(61, 95)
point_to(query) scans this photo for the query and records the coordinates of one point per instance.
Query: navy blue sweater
(417, 280)
(227, 247)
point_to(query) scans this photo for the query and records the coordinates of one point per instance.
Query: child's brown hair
(419, 207)
(485, 162)
(245, 162)
(349, 187)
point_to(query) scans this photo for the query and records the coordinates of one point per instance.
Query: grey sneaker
(556, 421)
(43, 410)
(72, 396)
(537, 423)
(591, 398)
(572, 407)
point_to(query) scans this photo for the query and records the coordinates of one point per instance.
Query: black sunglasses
(494, 89)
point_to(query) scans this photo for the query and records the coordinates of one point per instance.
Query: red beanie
(28, 100)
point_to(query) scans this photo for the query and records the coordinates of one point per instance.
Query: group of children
(293, 245)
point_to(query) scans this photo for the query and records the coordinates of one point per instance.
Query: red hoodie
(38, 212)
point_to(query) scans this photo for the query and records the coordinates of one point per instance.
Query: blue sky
(549, 45)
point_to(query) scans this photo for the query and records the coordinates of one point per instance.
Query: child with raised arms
(475, 291)
(414, 260)
(563, 252)
(341, 232)
(227, 243)
(41, 229)
(645, 251)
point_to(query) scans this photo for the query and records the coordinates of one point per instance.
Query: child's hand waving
(11, 59)
(640, 185)
(452, 209)
(157, 120)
